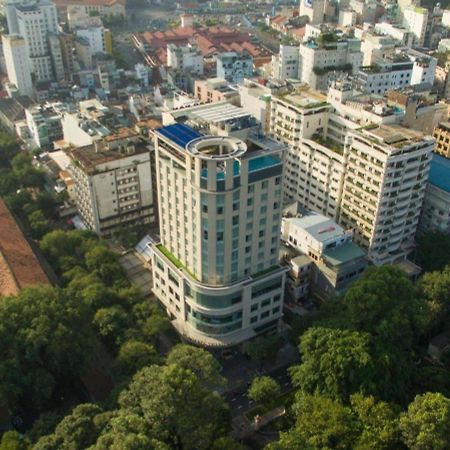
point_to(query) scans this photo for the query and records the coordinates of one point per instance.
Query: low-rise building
(234, 67)
(44, 123)
(403, 35)
(185, 58)
(337, 260)
(436, 204)
(215, 90)
(113, 183)
(103, 8)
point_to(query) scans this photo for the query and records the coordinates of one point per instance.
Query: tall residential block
(216, 268)
(314, 9)
(36, 22)
(415, 19)
(386, 176)
(17, 63)
(113, 183)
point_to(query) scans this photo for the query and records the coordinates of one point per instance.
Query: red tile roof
(19, 266)
(210, 41)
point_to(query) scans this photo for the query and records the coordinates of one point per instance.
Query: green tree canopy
(433, 250)
(336, 363)
(379, 424)
(134, 355)
(111, 324)
(46, 339)
(262, 348)
(434, 287)
(77, 431)
(12, 440)
(176, 406)
(323, 423)
(426, 424)
(264, 390)
(199, 361)
(383, 303)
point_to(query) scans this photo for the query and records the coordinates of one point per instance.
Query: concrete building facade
(113, 183)
(386, 176)
(216, 269)
(17, 63)
(234, 67)
(436, 205)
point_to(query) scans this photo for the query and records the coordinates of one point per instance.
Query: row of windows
(264, 315)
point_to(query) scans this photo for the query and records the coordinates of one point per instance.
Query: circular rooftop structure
(216, 148)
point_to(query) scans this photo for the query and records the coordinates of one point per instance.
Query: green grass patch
(174, 260)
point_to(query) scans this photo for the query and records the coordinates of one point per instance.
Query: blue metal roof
(179, 133)
(440, 172)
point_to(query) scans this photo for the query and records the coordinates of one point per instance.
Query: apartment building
(35, 23)
(113, 183)
(234, 67)
(185, 58)
(92, 122)
(98, 38)
(285, 64)
(415, 19)
(314, 161)
(377, 46)
(320, 60)
(386, 176)
(314, 10)
(215, 90)
(18, 67)
(103, 8)
(403, 35)
(44, 123)
(330, 142)
(216, 268)
(385, 74)
(256, 100)
(436, 203)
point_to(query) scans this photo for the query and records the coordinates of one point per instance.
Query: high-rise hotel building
(216, 267)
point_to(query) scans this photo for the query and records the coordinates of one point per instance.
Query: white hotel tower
(216, 269)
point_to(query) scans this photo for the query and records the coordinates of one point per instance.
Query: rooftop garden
(328, 143)
(174, 260)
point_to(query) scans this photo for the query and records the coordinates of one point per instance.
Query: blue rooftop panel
(179, 133)
(440, 172)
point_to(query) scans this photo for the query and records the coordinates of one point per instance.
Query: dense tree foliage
(336, 363)
(46, 341)
(263, 348)
(164, 407)
(264, 390)
(433, 251)
(9, 147)
(426, 423)
(12, 440)
(134, 355)
(199, 361)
